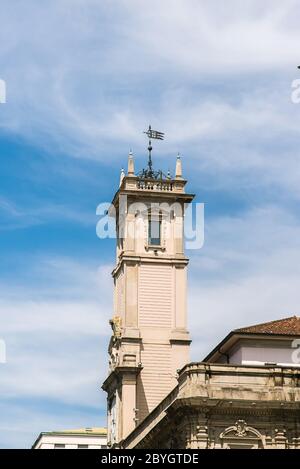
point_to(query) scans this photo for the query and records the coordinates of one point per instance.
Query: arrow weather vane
(152, 134)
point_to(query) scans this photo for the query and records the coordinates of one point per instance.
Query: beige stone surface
(217, 406)
(150, 300)
(88, 438)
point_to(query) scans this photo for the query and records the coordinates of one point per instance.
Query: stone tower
(150, 340)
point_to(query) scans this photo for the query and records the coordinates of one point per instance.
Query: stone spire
(122, 175)
(130, 164)
(178, 172)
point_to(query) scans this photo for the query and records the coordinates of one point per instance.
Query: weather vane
(152, 134)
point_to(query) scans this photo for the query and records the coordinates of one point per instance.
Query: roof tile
(287, 326)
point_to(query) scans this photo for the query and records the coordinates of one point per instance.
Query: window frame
(154, 218)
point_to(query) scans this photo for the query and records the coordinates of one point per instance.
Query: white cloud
(247, 273)
(16, 217)
(56, 347)
(216, 78)
(83, 79)
(22, 421)
(204, 37)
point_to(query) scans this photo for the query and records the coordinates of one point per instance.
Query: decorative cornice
(173, 194)
(198, 392)
(118, 373)
(149, 259)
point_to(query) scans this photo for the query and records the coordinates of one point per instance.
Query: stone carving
(280, 438)
(240, 430)
(113, 358)
(201, 431)
(116, 325)
(202, 436)
(280, 433)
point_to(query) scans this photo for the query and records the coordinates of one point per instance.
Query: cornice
(149, 259)
(118, 373)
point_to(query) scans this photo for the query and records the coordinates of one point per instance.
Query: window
(154, 230)
(83, 446)
(59, 446)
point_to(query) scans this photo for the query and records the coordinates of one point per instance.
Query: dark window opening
(154, 232)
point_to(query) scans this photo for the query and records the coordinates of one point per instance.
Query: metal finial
(152, 134)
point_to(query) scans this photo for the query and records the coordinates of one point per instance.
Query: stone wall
(223, 406)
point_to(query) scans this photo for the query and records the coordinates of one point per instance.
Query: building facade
(150, 340)
(244, 395)
(230, 401)
(83, 438)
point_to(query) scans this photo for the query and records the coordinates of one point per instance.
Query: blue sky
(84, 79)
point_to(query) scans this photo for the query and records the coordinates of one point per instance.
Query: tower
(150, 340)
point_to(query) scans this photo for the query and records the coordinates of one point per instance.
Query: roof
(80, 431)
(94, 431)
(286, 326)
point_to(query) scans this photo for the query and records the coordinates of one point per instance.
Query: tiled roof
(287, 326)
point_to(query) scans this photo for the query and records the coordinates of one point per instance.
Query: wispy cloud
(16, 217)
(56, 346)
(248, 272)
(83, 79)
(96, 76)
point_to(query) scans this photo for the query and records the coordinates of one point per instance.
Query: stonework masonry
(244, 395)
(218, 406)
(150, 340)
